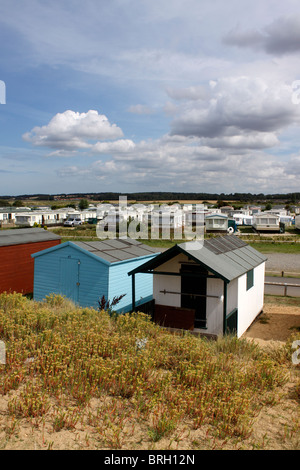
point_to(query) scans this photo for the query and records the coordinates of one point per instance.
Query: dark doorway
(193, 291)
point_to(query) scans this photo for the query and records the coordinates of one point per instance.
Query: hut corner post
(225, 308)
(133, 291)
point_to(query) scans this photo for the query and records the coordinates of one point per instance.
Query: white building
(212, 290)
(166, 218)
(29, 218)
(216, 223)
(40, 217)
(6, 216)
(265, 222)
(243, 219)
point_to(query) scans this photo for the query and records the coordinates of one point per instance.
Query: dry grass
(78, 378)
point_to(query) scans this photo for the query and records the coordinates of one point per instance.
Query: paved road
(279, 290)
(289, 262)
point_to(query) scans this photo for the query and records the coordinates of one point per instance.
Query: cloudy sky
(149, 95)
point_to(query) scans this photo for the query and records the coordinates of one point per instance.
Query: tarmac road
(288, 262)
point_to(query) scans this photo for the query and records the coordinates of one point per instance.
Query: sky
(148, 95)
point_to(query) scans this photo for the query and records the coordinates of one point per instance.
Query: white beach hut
(211, 289)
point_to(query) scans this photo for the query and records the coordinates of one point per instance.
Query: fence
(285, 285)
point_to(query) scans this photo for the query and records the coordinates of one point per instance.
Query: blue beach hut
(86, 271)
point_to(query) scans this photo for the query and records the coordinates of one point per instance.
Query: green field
(273, 247)
(269, 245)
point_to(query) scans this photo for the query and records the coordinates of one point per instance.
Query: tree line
(292, 198)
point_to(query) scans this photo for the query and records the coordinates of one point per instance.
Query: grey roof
(117, 250)
(26, 235)
(227, 257)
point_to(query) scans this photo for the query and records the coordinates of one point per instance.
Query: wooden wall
(174, 317)
(92, 277)
(17, 265)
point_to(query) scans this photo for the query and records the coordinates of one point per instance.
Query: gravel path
(288, 262)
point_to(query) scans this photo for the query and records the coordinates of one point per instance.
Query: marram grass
(59, 358)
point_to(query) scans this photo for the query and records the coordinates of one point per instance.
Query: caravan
(265, 222)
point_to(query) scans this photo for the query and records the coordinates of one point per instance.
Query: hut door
(69, 278)
(193, 292)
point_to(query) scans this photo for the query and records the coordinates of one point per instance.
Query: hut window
(250, 279)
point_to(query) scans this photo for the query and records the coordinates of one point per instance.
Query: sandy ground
(276, 323)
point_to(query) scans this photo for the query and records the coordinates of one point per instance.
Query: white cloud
(245, 140)
(244, 111)
(72, 130)
(280, 37)
(116, 147)
(171, 164)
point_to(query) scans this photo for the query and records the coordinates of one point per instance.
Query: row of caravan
(262, 222)
(268, 222)
(171, 217)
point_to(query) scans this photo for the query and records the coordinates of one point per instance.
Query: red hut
(16, 263)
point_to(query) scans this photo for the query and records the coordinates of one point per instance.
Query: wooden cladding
(17, 265)
(174, 317)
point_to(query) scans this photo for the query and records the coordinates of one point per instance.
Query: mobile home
(265, 222)
(216, 223)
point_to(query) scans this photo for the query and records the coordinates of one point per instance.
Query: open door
(193, 291)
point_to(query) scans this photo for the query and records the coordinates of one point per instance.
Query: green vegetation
(282, 244)
(123, 382)
(273, 247)
(281, 300)
(83, 204)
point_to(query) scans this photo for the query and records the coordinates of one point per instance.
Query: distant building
(265, 222)
(216, 223)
